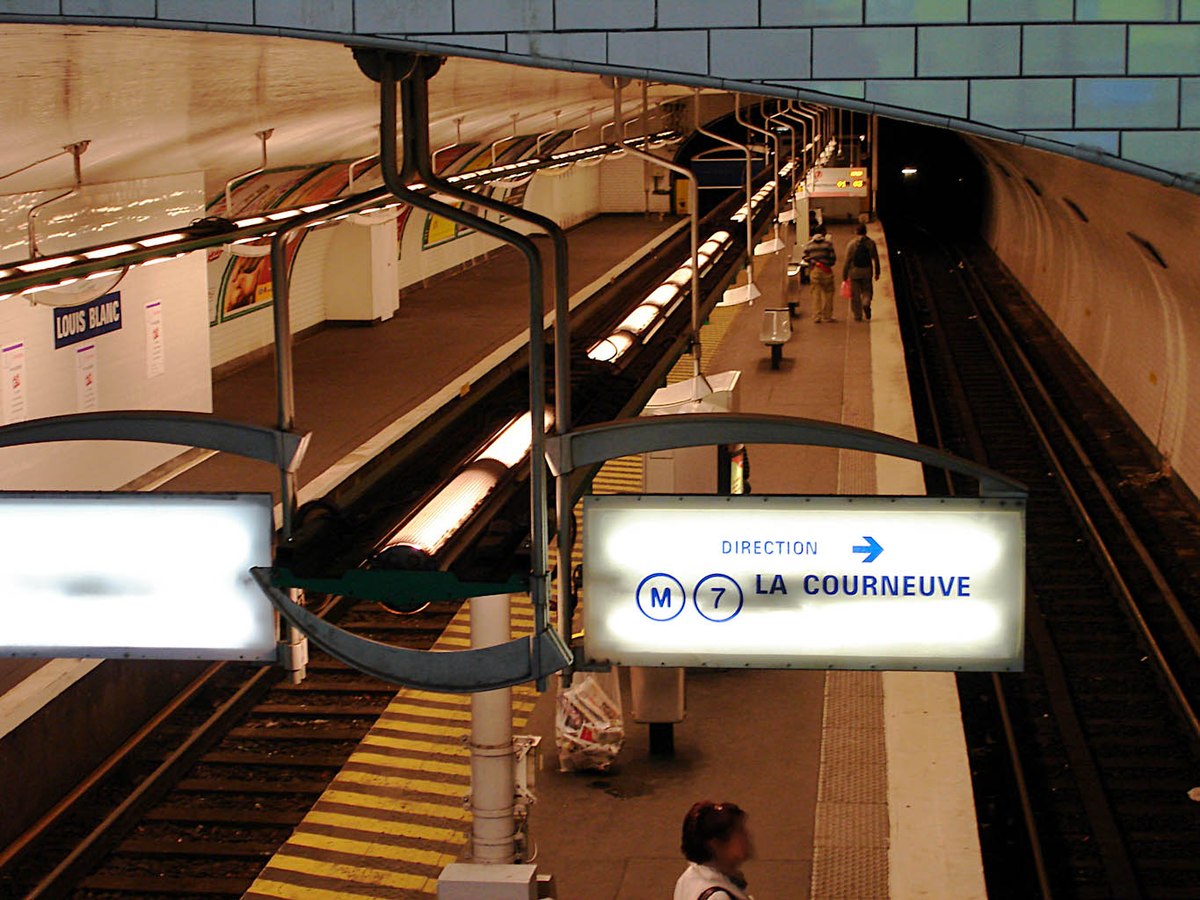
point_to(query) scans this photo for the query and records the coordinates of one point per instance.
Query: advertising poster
(438, 230)
(13, 357)
(242, 284)
(86, 394)
(156, 362)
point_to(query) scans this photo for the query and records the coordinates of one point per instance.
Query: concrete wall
(1117, 78)
(1132, 319)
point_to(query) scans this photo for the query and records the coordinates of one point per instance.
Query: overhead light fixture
(448, 510)
(743, 293)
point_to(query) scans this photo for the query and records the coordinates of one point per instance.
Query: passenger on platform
(821, 256)
(862, 261)
(717, 845)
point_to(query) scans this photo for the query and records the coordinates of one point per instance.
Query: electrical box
(476, 881)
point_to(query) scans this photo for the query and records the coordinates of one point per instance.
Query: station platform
(856, 783)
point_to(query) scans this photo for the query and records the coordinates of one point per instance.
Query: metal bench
(775, 331)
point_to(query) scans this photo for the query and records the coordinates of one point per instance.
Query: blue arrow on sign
(871, 548)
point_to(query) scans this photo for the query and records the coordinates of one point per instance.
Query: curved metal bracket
(623, 437)
(457, 671)
(283, 448)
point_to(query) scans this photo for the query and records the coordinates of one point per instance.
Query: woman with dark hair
(717, 845)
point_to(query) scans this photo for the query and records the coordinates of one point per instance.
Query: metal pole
(694, 216)
(874, 163)
(493, 827)
(771, 138)
(417, 158)
(749, 185)
(295, 644)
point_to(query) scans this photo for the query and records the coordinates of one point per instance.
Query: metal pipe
(415, 163)
(349, 173)
(537, 144)
(505, 140)
(745, 148)
(694, 217)
(76, 150)
(493, 826)
(766, 132)
(263, 136)
(295, 644)
(457, 142)
(874, 163)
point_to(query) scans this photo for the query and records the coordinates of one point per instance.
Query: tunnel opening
(929, 177)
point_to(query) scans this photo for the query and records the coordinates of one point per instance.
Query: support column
(492, 824)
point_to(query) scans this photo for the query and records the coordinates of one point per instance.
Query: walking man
(821, 256)
(862, 261)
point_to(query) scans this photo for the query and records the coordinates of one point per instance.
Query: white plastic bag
(588, 727)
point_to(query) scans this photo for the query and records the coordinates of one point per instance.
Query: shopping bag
(846, 289)
(589, 728)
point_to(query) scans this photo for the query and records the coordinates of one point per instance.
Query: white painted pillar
(492, 824)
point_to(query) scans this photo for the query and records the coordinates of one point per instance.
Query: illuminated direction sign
(138, 575)
(805, 582)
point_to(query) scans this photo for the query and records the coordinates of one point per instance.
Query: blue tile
(946, 97)
(706, 13)
(306, 15)
(1126, 102)
(1189, 11)
(503, 15)
(834, 88)
(883, 52)
(812, 12)
(959, 50)
(30, 7)
(1127, 10)
(1174, 151)
(136, 9)
(1022, 102)
(236, 11)
(571, 15)
(1189, 103)
(760, 53)
(1108, 141)
(403, 16)
(473, 41)
(1021, 10)
(669, 51)
(1164, 49)
(585, 46)
(1074, 50)
(911, 12)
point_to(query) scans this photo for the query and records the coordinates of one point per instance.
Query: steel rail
(1113, 851)
(967, 414)
(1134, 607)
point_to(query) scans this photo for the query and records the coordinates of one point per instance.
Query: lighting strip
(430, 527)
(45, 273)
(654, 307)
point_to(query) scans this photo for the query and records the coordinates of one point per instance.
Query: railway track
(1082, 764)
(199, 805)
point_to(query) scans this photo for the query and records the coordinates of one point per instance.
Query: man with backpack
(862, 262)
(820, 255)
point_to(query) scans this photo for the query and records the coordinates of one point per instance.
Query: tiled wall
(1119, 76)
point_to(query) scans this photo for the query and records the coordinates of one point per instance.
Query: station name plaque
(895, 583)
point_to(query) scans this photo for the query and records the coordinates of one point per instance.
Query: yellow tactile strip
(394, 816)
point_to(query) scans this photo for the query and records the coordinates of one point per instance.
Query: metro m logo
(660, 597)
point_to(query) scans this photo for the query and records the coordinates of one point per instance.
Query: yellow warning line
(414, 807)
(417, 763)
(266, 887)
(419, 785)
(343, 872)
(384, 825)
(372, 849)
